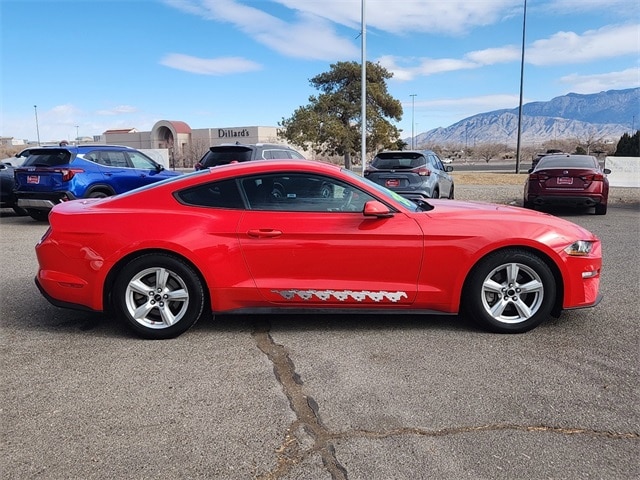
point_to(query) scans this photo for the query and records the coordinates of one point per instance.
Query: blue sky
(93, 65)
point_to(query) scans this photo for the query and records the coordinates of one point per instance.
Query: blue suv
(53, 175)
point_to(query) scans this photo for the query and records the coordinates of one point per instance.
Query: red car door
(332, 258)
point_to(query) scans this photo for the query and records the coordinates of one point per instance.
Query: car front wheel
(510, 291)
(159, 296)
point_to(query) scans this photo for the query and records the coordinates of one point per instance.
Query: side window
(437, 162)
(141, 161)
(222, 194)
(302, 193)
(295, 154)
(114, 159)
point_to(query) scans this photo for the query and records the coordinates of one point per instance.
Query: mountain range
(605, 115)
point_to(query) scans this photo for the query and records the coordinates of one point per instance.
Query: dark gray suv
(414, 174)
(235, 152)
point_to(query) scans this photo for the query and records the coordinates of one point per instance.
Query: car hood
(508, 220)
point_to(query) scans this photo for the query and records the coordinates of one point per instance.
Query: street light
(77, 136)
(363, 91)
(524, 25)
(413, 125)
(35, 108)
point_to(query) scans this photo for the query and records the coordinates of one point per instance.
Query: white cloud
(209, 66)
(405, 17)
(120, 109)
(629, 78)
(292, 39)
(570, 47)
(479, 103)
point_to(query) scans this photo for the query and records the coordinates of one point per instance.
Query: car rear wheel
(38, 215)
(436, 193)
(20, 211)
(601, 209)
(510, 291)
(451, 193)
(159, 296)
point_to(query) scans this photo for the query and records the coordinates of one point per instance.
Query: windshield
(47, 158)
(398, 160)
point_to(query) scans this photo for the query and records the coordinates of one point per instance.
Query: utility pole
(413, 125)
(35, 108)
(524, 25)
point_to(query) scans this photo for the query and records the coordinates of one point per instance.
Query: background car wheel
(451, 193)
(436, 193)
(38, 215)
(510, 291)
(98, 194)
(159, 296)
(20, 211)
(601, 209)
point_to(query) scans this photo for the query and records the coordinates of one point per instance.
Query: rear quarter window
(222, 194)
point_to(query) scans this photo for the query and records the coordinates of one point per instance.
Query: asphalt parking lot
(322, 397)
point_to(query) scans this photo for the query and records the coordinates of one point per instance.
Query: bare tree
(487, 151)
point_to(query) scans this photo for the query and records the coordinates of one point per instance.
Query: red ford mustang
(292, 236)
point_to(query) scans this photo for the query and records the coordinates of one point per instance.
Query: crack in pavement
(307, 435)
(305, 408)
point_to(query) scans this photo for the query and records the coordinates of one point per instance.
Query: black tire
(509, 291)
(38, 215)
(20, 211)
(451, 193)
(529, 205)
(436, 193)
(98, 194)
(166, 292)
(601, 209)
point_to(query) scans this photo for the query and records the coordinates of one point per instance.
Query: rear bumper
(42, 201)
(567, 200)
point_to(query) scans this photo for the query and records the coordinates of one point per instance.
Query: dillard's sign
(230, 133)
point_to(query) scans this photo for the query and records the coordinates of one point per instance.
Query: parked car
(57, 174)
(568, 180)
(412, 174)
(236, 152)
(217, 239)
(7, 195)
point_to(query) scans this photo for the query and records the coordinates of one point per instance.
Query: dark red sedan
(568, 180)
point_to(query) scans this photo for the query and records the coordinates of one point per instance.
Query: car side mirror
(607, 171)
(530, 170)
(448, 168)
(376, 209)
(159, 167)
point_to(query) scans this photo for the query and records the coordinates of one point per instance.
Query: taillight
(422, 171)
(541, 177)
(68, 173)
(593, 178)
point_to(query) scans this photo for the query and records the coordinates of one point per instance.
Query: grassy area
(488, 178)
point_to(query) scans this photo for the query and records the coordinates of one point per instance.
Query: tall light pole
(413, 125)
(35, 108)
(524, 26)
(77, 136)
(363, 93)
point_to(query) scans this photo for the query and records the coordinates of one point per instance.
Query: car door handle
(264, 233)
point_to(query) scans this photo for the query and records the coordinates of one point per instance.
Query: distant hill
(605, 115)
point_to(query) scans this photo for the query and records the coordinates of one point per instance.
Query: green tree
(628, 145)
(330, 123)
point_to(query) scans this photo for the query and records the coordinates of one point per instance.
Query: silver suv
(414, 174)
(235, 152)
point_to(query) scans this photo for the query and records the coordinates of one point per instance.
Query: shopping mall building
(184, 144)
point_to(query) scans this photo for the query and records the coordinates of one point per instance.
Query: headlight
(579, 248)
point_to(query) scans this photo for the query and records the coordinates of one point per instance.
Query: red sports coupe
(295, 236)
